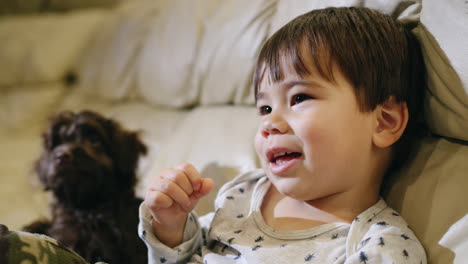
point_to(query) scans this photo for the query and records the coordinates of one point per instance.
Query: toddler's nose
(273, 126)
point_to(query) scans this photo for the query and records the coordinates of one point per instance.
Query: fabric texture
(28, 104)
(446, 57)
(428, 190)
(21, 247)
(42, 48)
(236, 233)
(455, 239)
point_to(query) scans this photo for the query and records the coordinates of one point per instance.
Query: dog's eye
(94, 140)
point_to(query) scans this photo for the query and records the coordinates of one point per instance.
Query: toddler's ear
(392, 117)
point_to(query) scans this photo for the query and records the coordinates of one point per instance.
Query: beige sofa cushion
(430, 193)
(25, 108)
(42, 48)
(444, 38)
(228, 50)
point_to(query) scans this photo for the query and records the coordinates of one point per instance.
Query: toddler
(334, 90)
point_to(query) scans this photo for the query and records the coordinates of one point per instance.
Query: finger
(155, 200)
(192, 174)
(180, 178)
(205, 187)
(175, 192)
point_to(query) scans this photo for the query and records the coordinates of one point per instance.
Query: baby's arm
(171, 196)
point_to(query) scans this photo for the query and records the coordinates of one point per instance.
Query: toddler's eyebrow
(290, 84)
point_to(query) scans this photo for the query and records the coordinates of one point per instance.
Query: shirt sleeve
(391, 245)
(159, 252)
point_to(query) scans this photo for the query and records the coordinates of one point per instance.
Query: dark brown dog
(89, 164)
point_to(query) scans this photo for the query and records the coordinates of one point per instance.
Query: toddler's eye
(299, 98)
(264, 110)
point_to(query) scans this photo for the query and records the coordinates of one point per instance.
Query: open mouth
(281, 158)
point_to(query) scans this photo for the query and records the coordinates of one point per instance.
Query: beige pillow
(444, 40)
(430, 193)
(42, 48)
(228, 51)
(25, 108)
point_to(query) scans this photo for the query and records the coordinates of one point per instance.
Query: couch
(181, 72)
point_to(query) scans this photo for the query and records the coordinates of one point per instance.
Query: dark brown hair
(377, 55)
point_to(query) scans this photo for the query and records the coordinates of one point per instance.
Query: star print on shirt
(363, 257)
(381, 241)
(405, 253)
(309, 257)
(259, 239)
(383, 223)
(256, 247)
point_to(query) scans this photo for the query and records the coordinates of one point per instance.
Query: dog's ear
(128, 147)
(50, 136)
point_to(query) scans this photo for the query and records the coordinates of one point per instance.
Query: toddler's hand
(171, 196)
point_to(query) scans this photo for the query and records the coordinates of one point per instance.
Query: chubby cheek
(316, 139)
(258, 142)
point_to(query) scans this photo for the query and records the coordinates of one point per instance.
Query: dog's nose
(62, 157)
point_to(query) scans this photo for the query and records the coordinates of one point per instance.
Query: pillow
(455, 239)
(35, 6)
(287, 10)
(107, 66)
(443, 34)
(145, 50)
(429, 192)
(228, 51)
(42, 48)
(169, 51)
(28, 106)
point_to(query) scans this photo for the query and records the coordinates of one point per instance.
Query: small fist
(174, 193)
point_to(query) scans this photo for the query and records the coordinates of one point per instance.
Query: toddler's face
(312, 140)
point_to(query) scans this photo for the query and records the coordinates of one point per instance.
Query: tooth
(280, 162)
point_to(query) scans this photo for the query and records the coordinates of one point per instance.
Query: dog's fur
(89, 164)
